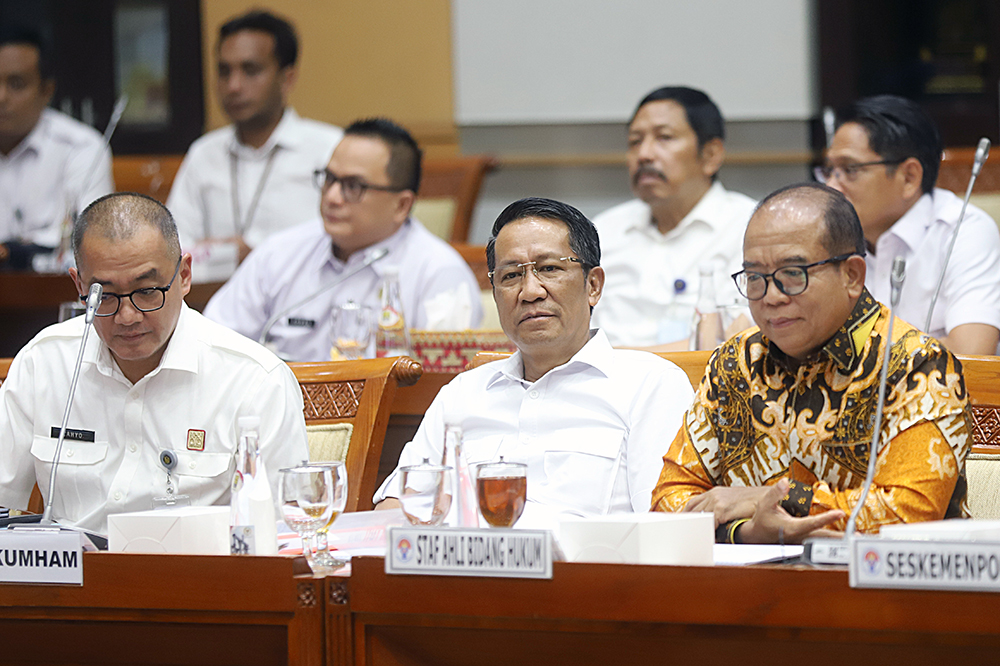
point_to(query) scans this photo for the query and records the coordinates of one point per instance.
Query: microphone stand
(982, 152)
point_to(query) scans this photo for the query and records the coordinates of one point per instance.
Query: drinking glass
(425, 493)
(306, 495)
(351, 331)
(323, 559)
(503, 489)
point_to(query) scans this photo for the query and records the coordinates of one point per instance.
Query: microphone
(373, 256)
(93, 299)
(829, 124)
(896, 280)
(982, 152)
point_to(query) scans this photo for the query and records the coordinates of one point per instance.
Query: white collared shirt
(59, 168)
(438, 289)
(592, 432)
(652, 278)
(201, 198)
(208, 378)
(971, 290)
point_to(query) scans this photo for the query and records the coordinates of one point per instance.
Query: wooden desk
(606, 614)
(168, 609)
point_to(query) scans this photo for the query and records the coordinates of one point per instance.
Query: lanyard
(239, 223)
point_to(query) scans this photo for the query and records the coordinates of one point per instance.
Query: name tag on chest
(76, 435)
(301, 323)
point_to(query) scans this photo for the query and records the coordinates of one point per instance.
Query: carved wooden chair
(449, 189)
(359, 393)
(152, 175)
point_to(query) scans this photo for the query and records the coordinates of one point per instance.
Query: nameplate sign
(925, 565)
(451, 551)
(41, 556)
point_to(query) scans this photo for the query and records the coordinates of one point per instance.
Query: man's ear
(48, 90)
(595, 285)
(911, 171)
(713, 153)
(185, 274)
(80, 289)
(853, 270)
(404, 204)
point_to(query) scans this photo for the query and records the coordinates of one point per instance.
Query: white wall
(583, 61)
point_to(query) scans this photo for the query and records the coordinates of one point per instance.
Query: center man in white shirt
(242, 183)
(683, 218)
(160, 377)
(368, 190)
(590, 422)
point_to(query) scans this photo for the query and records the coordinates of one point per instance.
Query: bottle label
(389, 318)
(237, 482)
(241, 540)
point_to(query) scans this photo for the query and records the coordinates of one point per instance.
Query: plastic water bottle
(392, 337)
(252, 517)
(464, 501)
(706, 329)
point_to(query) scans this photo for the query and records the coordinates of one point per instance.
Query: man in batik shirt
(776, 443)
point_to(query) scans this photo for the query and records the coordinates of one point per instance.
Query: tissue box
(187, 530)
(640, 538)
(944, 530)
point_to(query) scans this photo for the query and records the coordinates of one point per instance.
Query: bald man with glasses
(367, 193)
(776, 443)
(159, 377)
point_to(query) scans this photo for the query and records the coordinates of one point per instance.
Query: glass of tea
(502, 488)
(351, 329)
(425, 492)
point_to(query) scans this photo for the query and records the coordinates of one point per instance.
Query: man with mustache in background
(682, 218)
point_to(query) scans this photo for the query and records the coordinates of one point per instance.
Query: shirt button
(132, 447)
(118, 496)
(69, 453)
(534, 394)
(193, 464)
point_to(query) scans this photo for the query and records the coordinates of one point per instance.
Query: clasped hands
(768, 521)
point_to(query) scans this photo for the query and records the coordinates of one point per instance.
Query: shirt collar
(596, 353)
(177, 356)
(704, 212)
(36, 139)
(396, 244)
(285, 135)
(912, 227)
(846, 345)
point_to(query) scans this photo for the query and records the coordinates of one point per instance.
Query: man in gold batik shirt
(776, 443)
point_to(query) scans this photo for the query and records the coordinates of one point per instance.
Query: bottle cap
(248, 422)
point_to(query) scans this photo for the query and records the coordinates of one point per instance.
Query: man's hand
(728, 502)
(771, 523)
(4, 253)
(388, 503)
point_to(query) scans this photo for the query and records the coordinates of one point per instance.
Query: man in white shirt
(51, 166)
(591, 422)
(243, 182)
(368, 190)
(884, 157)
(682, 219)
(160, 377)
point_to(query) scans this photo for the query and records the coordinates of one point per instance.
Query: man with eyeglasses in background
(588, 420)
(368, 190)
(884, 157)
(776, 443)
(241, 183)
(160, 377)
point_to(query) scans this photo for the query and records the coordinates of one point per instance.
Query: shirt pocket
(80, 481)
(74, 453)
(580, 470)
(202, 476)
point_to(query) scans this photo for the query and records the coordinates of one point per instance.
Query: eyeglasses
(790, 280)
(847, 173)
(147, 299)
(548, 272)
(352, 187)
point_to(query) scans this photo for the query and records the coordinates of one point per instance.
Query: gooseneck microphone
(982, 152)
(373, 256)
(896, 280)
(93, 300)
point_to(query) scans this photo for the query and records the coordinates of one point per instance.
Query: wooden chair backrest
(982, 381)
(359, 393)
(152, 175)
(458, 179)
(4, 367)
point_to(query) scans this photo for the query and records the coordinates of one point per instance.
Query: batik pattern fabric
(760, 416)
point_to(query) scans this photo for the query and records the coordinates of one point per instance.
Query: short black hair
(118, 215)
(703, 115)
(898, 128)
(286, 44)
(843, 228)
(405, 155)
(583, 238)
(30, 37)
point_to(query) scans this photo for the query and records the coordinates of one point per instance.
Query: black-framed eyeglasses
(147, 299)
(790, 280)
(548, 271)
(353, 188)
(847, 173)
